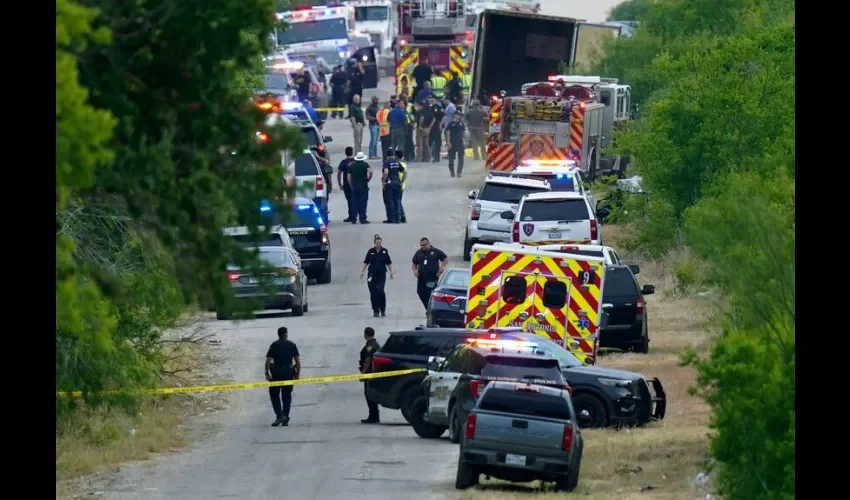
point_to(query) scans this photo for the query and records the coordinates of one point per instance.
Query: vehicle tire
(325, 277)
(643, 346)
(405, 404)
(590, 411)
(454, 425)
(221, 316)
(298, 310)
(467, 247)
(467, 477)
(423, 429)
(570, 481)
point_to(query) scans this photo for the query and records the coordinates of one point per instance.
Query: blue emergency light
(305, 207)
(265, 206)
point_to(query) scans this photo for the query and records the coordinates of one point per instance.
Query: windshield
(457, 279)
(313, 31)
(620, 282)
(305, 165)
(548, 210)
(277, 81)
(506, 193)
(525, 403)
(277, 258)
(303, 216)
(370, 13)
(546, 369)
(330, 57)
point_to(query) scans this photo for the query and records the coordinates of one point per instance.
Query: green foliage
(631, 10)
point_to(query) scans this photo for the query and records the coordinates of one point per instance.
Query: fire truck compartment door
(562, 135)
(516, 298)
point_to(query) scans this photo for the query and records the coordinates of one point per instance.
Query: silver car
(283, 285)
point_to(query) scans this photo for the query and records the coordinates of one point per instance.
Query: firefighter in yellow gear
(384, 129)
(437, 85)
(466, 83)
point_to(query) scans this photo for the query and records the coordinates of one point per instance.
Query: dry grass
(93, 440)
(659, 461)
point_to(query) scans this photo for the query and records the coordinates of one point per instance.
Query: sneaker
(285, 422)
(347, 220)
(375, 313)
(370, 421)
(365, 222)
(403, 220)
(383, 313)
(388, 222)
(277, 422)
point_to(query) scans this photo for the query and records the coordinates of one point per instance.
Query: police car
(497, 194)
(309, 235)
(554, 218)
(453, 387)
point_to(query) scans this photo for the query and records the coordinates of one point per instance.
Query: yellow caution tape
(331, 109)
(252, 385)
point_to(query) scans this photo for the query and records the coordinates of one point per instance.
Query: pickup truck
(521, 432)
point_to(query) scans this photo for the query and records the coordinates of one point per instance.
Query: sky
(591, 10)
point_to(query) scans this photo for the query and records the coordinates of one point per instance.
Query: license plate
(253, 281)
(514, 459)
(554, 235)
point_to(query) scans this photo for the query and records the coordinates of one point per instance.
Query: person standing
(302, 82)
(359, 175)
(435, 140)
(372, 120)
(355, 116)
(428, 264)
(450, 111)
(356, 72)
(424, 94)
(410, 112)
(366, 354)
(342, 180)
(391, 180)
(338, 81)
(377, 262)
(403, 174)
(308, 106)
(454, 136)
(389, 154)
(421, 73)
(478, 122)
(280, 357)
(398, 122)
(424, 122)
(384, 128)
(454, 88)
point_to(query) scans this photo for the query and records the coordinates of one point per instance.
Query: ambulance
(314, 32)
(554, 295)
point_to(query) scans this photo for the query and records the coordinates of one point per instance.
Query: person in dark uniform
(342, 180)
(279, 366)
(388, 154)
(391, 181)
(377, 261)
(366, 355)
(428, 264)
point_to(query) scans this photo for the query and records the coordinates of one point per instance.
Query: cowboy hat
(359, 156)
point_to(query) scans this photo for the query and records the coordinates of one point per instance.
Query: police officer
(377, 261)
(279, 366)
(403, 174)
(391, 181)
(389, 153)
(428, 263)
(366, 355)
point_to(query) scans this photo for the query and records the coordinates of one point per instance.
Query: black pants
(376, 284)
(424, 291)
(360, 200)
(352, 213)
(337, 101)
(281, 399)
(456, 152)
(385, 145)
(374, 414)
(436, 142)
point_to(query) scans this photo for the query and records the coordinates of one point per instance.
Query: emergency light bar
(293, 106)
(311, 13)
(265, 206)
(550, 163)
(502, 344)
(288, 66)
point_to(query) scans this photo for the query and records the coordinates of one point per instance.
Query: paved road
(325, 451)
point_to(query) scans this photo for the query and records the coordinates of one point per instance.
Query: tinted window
(514, 290)
(457, 279)
(311, 136)
(539, 210)
(505, 193)
(276, 81)
(304, 217)
(416, 345)
(586, 253)
(327, 29)
(277, 259)
(555, 294)
(370, 14)
(305, 165)
(619, 281)
(522, 368)
(525, 403)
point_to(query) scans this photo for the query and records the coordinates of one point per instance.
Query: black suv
(459, 380)
(309, 234)
(622, 299)
(601, 396)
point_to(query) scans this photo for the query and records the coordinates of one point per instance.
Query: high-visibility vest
(437, 84)
(466, 81)
(409, 112)
(383, 125)
(403, 176)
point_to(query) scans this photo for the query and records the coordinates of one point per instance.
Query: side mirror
(507, 215)
(634, 268)
(603, 213)
(434, 363)
(603, 321)
(328, 138)
(648, 289)
(472, 194)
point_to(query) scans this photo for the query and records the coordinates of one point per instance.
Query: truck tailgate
(519, 430)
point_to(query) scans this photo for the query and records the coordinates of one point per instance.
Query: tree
(631, 10)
